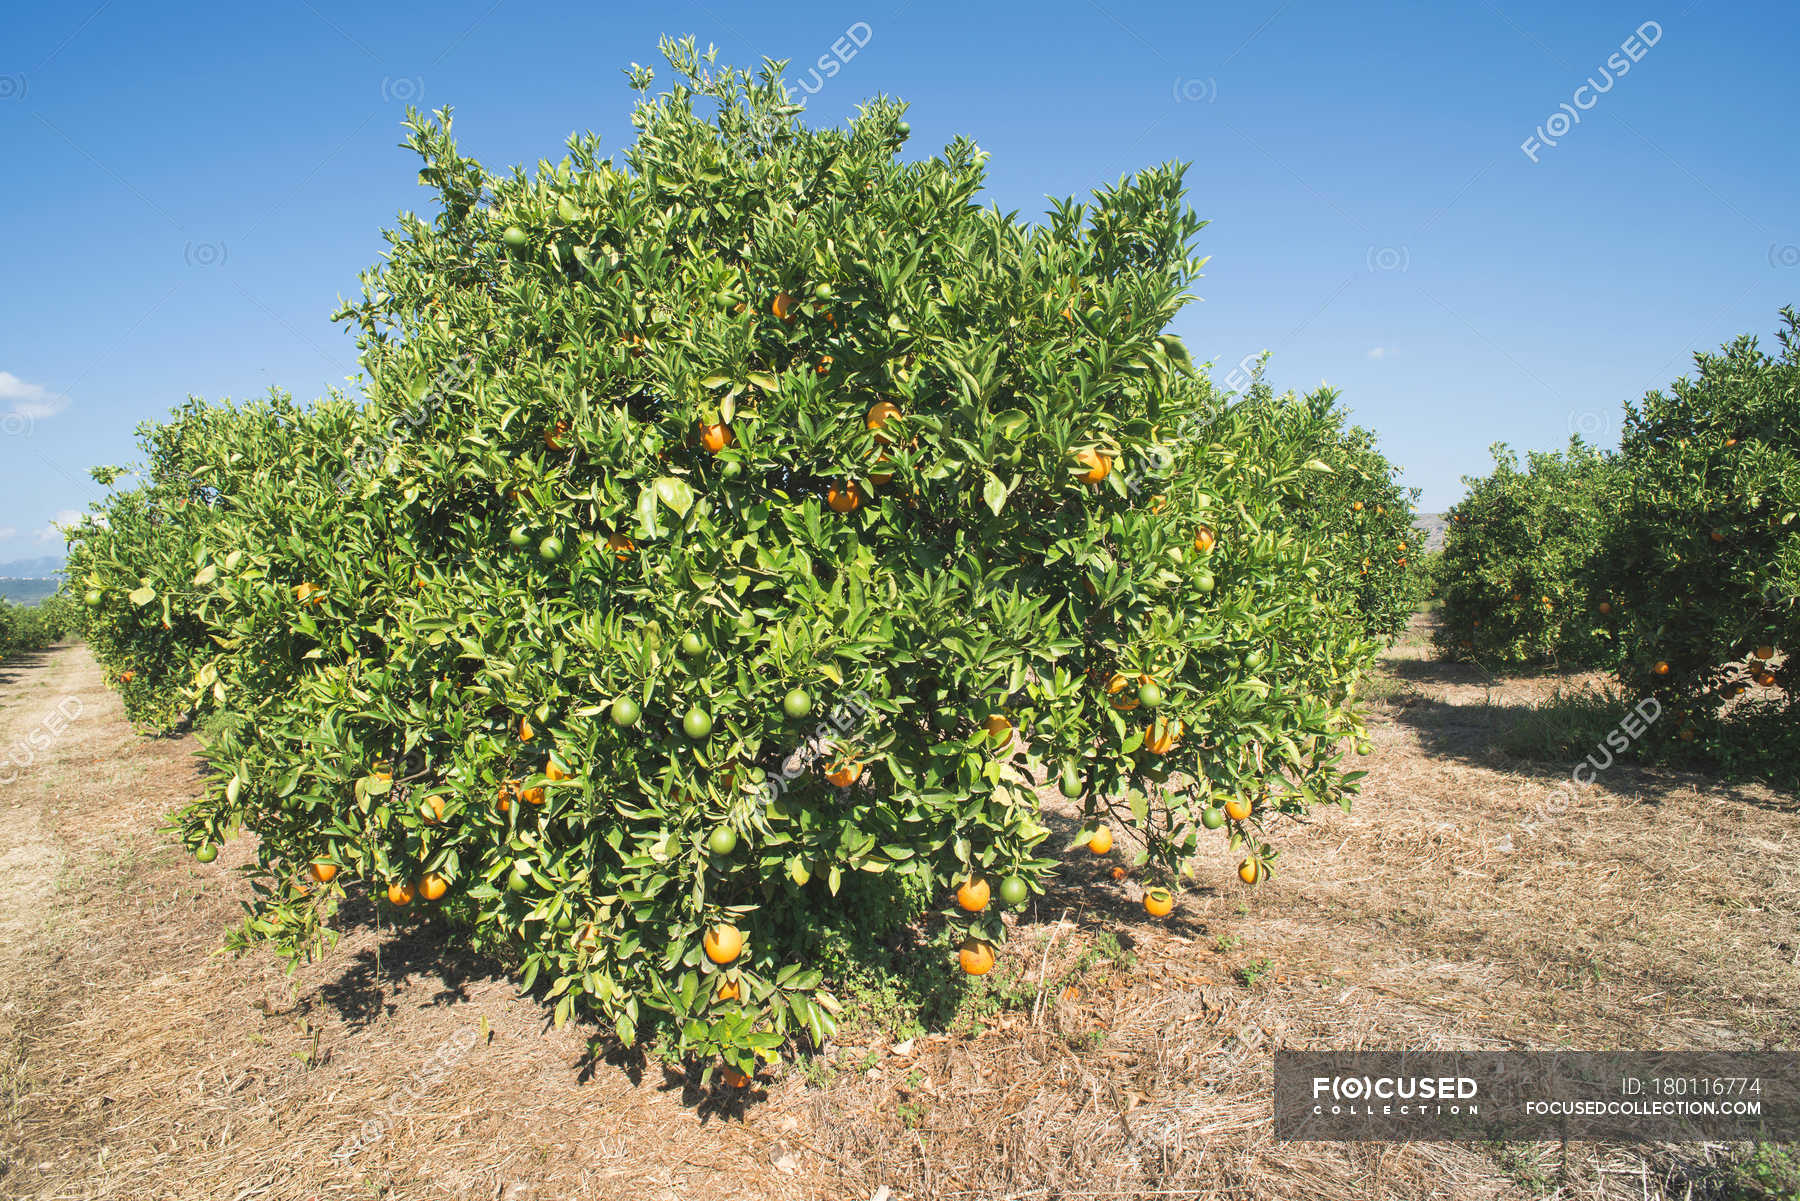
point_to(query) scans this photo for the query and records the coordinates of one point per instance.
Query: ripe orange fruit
(998, 728)
(128, 677)
(1730, 442)
(432, 886)
(1605, 607)
(880, 413)
(1766, 679)
(556, 771)
(504, 799)
(824, 367)
(843, 499)
(553, 435)
(620, 545)
(1716, 536)
(1250, 871)
(1661, 668)
(976, 957)
(729, 991)
(1159, 902)
(308, 593)
(526, 733)
(972, 894)
(1098, 466)
(1119, 873)
(1238, 808)
(1160, 736)
(1204, 538)
(845, 774)
(1124, 691)
(1765, 651)
(532, 796)
(734, 1078)
(322, 871)
(883, 472)
(783, 307)
(1687, 733)
(723, 943)
(1356, 506)
(432, 810)
(1100, 842)
(716, 437)
(400, 893)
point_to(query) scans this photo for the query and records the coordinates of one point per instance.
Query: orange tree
(1516, 572)
(1351, 500)
(1701, 568)
(728, 549)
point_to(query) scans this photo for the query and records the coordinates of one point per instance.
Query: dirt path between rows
(1446, 910)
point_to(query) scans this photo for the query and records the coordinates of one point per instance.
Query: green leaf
(994, 493)
(141, 596)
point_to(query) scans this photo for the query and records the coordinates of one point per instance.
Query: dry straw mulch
(1445, 911)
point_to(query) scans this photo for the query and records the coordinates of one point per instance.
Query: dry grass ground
(1119, 1057)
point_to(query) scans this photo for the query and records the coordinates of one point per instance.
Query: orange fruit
(972, 894)
(716, 437)
(432, 886)
(1123, 691)
(1765, 651)
(729, 991)
(1159, 902)
(824, 367)
(1204, 539)
(997, 728)
(1119, 873)
(1661, 668)
(308, 593)
(1250, 871)
(976, 956)
(400, 893)
(883, 472)
(620, 545)
(556, 771)
(723, 943)
(526, 733)
(783, 307)
(432, 810)
(845, 774)
(1238, 808)
(1098, 466)
(1605, 607)
(1716, 536)
(843, 499)
(1160, 737)
(1730, 442)
(1100, 842)
(1356, 506)
(504, 799)
(1766, 679)
(553, 435)
(734, 1078)
(532, 796)
(880, 413)
(128, 677)
(322, 871)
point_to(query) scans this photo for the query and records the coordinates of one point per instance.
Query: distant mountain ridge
(40, 568)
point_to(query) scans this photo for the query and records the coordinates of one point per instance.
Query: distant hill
(33, 569)
(1434, 525)
(27, 591)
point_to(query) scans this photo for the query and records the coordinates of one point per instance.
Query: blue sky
(194, 188)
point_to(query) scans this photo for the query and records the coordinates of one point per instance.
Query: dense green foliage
(1514, 576)
(713, 521)
(34, 627)
(1702, 560)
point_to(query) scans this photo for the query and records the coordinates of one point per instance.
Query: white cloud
(29, 401)
(64, 517)
(1378, 352)
(9, 531)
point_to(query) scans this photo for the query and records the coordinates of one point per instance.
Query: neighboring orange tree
(733, 540)
(1351, 502)
(1701, 567)
(1516, 571)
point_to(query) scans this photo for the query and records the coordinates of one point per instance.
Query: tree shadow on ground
(366, 988)
(22, 663)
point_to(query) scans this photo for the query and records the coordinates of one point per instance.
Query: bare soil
(1123, 1057)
